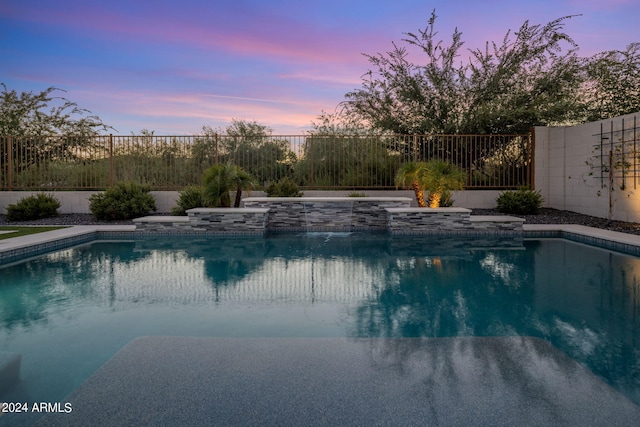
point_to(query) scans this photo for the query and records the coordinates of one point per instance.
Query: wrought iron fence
(313, 161)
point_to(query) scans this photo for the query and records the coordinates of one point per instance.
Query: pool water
(68, 312)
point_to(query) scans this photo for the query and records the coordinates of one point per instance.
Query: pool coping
(605, 239)
(15, 248)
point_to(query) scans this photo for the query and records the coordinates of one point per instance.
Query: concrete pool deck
(341, 381)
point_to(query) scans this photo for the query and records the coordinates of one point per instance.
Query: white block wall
(78, 201)
(562, 171)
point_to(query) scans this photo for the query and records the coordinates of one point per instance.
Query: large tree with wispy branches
(44, 113)
(39, 127)
(532, 77)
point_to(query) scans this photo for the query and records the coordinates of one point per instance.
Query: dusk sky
(175, 66)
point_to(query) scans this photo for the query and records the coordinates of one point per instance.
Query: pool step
(211, 220)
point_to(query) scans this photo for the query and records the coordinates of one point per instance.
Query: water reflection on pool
(68, 312)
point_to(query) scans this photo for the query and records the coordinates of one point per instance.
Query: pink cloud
(272, 40)
(340, 79)
(186, 114)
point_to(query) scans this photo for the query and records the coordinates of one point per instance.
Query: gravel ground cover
(546, 216)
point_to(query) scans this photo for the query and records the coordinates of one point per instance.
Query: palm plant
(220, 179)
(440, 178)
(410, 176)
(242, 181)
(437, 177)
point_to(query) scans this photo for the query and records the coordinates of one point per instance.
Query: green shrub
(520, 202)
(356, 194)
(191, 197)
(33, 207)
(123, 201)
(283, 188)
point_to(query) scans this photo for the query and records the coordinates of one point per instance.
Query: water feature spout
(328, 216)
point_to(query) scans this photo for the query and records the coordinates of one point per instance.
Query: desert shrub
(520, 202)
(64, 174)
(37, 206)
(189, 198)
(125, 200)
(283, 188)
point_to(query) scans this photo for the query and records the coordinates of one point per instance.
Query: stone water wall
(344, 214)
(232, 221)
(326, 213)
(456, 221)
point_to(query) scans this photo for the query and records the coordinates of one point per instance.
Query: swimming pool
(66, 313)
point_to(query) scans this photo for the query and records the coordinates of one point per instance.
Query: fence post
(311, 154)
(415, 148)
(9, 163)
(532, 159)
(215, 138)
(110, 160)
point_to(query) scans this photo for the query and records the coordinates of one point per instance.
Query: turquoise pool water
(66, 313)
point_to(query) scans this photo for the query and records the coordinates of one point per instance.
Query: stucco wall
(566, 180)
(78, 201)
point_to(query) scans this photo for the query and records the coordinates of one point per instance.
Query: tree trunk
(419, 194)
(236, 204)
(434, 199)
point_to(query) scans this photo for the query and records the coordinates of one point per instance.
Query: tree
(251, 146)
(39, 128)
(533, 77)
(440, 178)
(220, 179)
(242, 181)
(43, 114)
(612, 86)
(435, 176)
(341, 151)
(343, 122)
(410, 176)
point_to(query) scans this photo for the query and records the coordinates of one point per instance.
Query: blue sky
(175, 66)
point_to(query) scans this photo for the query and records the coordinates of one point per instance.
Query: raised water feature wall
(327, 213)
(439, 221)
(211, 220)
(330, 214)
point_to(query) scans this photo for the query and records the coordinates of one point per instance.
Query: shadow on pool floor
(342, 381)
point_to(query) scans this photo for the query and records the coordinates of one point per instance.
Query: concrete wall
(566, 179)
(78, 201)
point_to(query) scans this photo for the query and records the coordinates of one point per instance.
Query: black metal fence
(313, 161)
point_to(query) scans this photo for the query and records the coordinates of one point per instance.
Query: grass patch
(25, 231)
